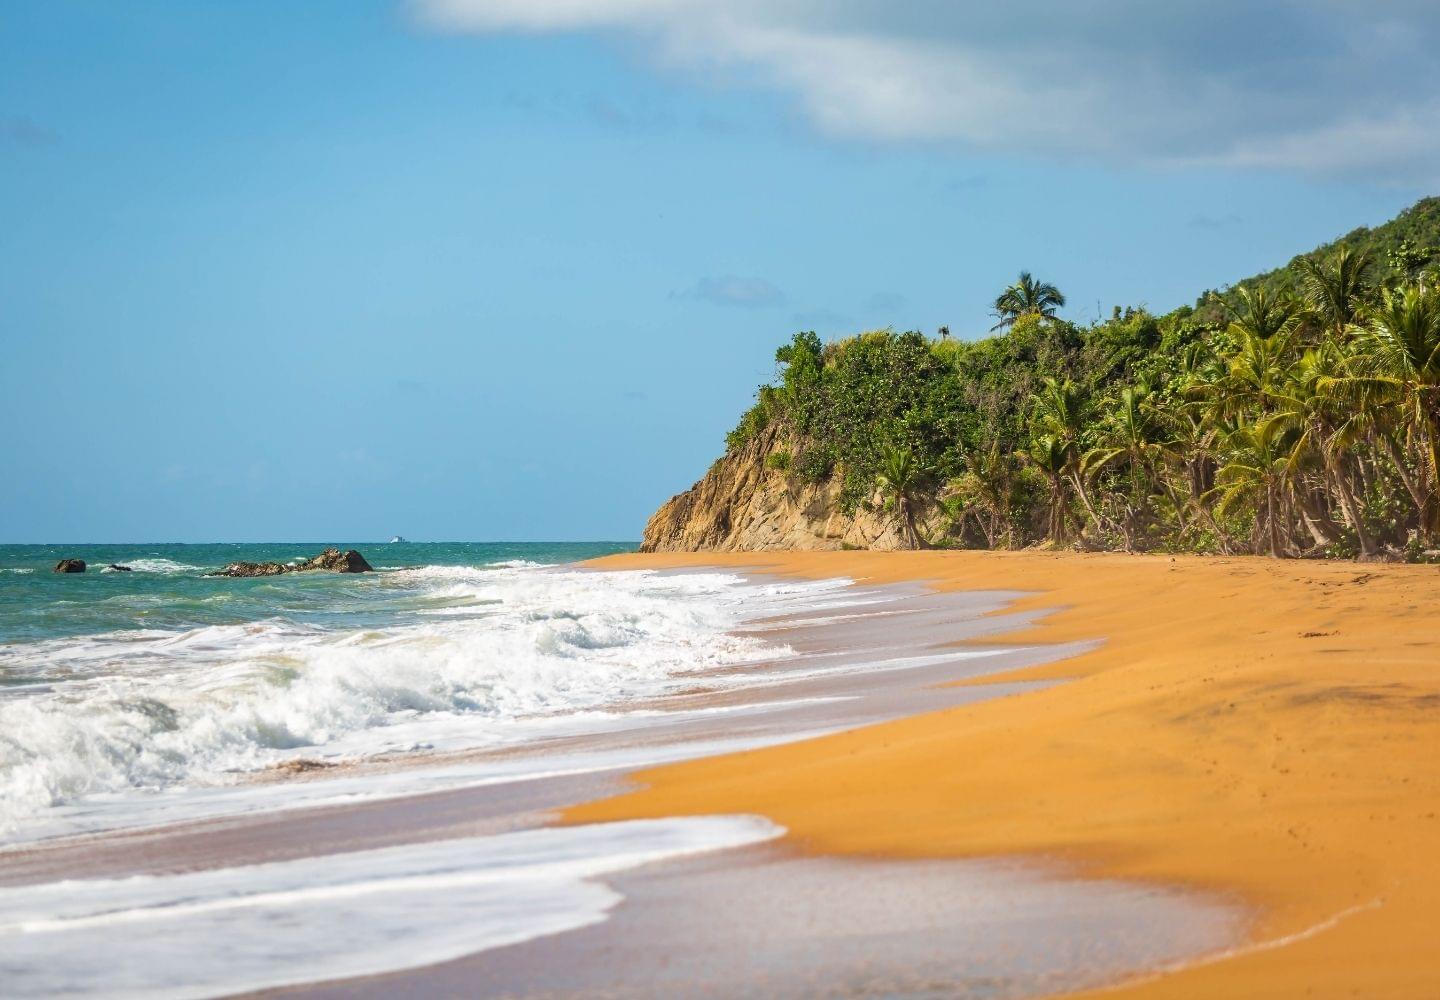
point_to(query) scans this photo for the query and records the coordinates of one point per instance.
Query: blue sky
(462, 269)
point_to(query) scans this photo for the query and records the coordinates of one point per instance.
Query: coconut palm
(899, 481)
(1060, 411)
(1129, 442)
(1336, 289)
(1398, 361)
(986, 489)
(1254, 477)
(1056, 458)
(1317, 429)
(1261, 312)
(1027, 297)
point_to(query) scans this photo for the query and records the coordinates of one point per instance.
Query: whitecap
(155, 710)
(168, 567)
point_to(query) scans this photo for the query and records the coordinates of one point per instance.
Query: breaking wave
(474, 651)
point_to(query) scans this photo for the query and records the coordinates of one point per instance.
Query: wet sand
(773, 920)
(1269, 729)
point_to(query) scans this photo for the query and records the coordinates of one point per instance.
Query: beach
(1254, 727)
(942, 774)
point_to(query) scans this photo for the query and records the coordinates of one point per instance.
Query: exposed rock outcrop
(253, 569)
(332, 560)
(742, 504)
(70, 566)
(336, 561)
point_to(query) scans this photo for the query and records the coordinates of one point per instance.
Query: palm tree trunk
(1273, 517)
(1349, 507)
(1397, 459)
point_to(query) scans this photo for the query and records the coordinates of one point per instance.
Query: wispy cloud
(22, 131)
(734, 290)
(1299, 85)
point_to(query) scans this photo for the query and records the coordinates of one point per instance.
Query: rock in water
(70, 566)
(336, 561)
(117, 568)
(253, 569)
(333, 560)
(355, 563)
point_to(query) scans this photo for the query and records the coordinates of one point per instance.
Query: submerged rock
(70, 566)
(117, 568)
(332, 560)
(253, 569)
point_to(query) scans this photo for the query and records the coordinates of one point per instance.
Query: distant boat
(396, 539)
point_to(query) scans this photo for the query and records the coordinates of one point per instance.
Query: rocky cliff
(743, 504)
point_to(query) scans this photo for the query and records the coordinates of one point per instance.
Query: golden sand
(1267, 730)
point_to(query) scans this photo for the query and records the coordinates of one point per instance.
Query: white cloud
(1316, 85)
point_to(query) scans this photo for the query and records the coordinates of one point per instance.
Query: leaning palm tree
(1319, 429)
(899, 481)
(1399, 361)
(1336, 289)
(1027, 297)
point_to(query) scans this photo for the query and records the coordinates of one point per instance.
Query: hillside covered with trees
(1294, 414)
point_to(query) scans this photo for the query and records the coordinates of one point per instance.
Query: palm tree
(1056, 458)
(1255, 376)
(1398, 361)
(1027, 297)
(1129, 439)
(1336, 290)
(987, 486)
(1263, 313)
(899, 480)
(1193, 431)
(1060, 412)
(1319, 429)
(1254, 476)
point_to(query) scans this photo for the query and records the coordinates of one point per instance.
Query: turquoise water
(168, 590)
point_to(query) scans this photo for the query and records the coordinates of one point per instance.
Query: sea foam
(478, 652)
(359, 913)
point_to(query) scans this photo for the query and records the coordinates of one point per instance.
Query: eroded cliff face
(743, 505)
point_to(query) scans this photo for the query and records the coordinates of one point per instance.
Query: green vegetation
(1296, 414)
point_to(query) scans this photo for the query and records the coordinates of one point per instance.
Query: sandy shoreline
(766, 919)
(1249, 726)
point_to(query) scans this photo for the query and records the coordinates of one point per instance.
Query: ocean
(117, 686)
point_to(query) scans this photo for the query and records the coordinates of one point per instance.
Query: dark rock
(253, 569)
(117, 568)
(70, 566)
(336, 561)
(333, 560)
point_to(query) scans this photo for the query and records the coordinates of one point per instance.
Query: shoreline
(862, 655)
(1251, 728)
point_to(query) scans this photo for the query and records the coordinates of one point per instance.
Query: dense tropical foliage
(1296, 414)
